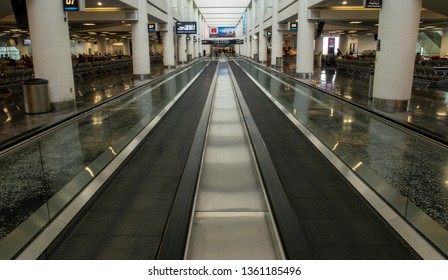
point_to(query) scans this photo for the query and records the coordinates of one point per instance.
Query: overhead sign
(152, 27)
(222, 32)
(223, 42)
(293, 26)
(373, 3)
(186, 27)
(74, 5)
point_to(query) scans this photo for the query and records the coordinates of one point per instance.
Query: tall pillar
(190, 43)
(318, 50)
(444, 46)
(53, 28)
(182, 39)
(262, 39)
(140, 43)
(255, 45)
(277, 36)
(394, 67)
(126, 47)
(168, 39)
(305, 43)
(101, 43)
(343, 43)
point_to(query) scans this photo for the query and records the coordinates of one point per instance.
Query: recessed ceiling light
(353, 31)
(355, 22)
(88, 23)
(100, 4)
(344, 2)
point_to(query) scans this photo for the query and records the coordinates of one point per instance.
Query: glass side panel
(40, 178)
(407, 171)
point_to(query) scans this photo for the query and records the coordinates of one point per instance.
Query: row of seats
(355, 67)
(430, 73)
(88, 69)
(80, 70)
(438, 63)
(16, 75)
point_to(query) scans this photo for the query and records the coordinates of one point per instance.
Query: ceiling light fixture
(344, 2)
(88, 24)
(100, 4)
(355, 22)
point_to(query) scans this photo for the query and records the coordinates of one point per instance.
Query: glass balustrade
(40, 177)
(408, 171)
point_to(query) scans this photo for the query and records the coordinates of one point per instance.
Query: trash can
(279, 62)
(371, 79)
(189, 57)
(35, 96)
(256, 57)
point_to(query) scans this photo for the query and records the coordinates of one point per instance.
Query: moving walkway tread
(126, 221)
(336, 221)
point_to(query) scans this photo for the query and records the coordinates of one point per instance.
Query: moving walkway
(172, 198)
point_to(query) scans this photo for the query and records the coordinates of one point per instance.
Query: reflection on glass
(39, 175)
(410, 168)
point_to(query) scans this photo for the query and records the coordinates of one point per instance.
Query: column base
(63, 105)
(304, 75)
(141, 77)
(264, 62)
(391, 105)
(169, 66)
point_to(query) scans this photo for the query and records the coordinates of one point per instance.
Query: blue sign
(71, 5)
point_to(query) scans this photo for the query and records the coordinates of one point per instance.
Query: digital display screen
(293, 26)
(27, 42)
(71, 5)
(222, 32)
(372, 4)
(151, 27)
(186, 27)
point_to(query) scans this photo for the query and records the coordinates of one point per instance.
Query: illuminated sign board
(186, 27)
(74, 5)
(223, 42)
(222, 32)
(372, 4)
(152, 27)
(293, 26)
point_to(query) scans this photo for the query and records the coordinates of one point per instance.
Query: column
(444, 46)
(182, 39)
(318, 50)
(101, 43)
(140, 43)
(277, 37)
(305, 43)
(126, 47)
(262, 39)
(255, 45)
(343, 43)
(169, 55)
(52, 29)
(190, 42)
(395, 65)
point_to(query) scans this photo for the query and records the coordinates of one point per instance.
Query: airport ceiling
(339, 16)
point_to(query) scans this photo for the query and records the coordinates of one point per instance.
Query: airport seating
(355, 67)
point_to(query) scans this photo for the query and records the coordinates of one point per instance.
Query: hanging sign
(152, 27)
(372, 4)
(74, 5)
(293, 26)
